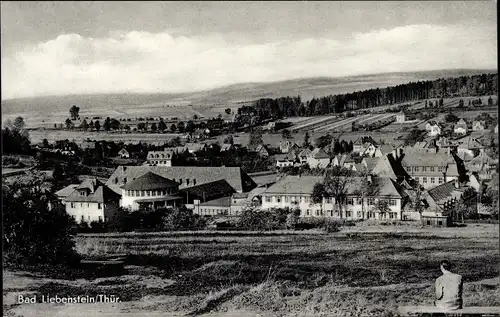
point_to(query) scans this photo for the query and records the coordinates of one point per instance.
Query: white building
(161, 158)
(123, 153)
(460, 127)
(89, 201)
(318, 159)
(295, 192)
(400, 117)
(433, 128)
(150, 190)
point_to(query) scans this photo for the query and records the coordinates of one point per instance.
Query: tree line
(267, 108)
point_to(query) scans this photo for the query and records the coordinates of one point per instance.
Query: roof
(444, 192)
(196, 175)
(303, 185)
(462, 122)
(166, 153)
(384, 168)
(226, 147)
(305, 152)
(90, 183)
(219, 202)
(424, 159)
(103, 194)
(470, 143)
(149, 181)
(208, 190)
(365, 139)
(386, 148)
(163, 198)
(371, 162)
(482, 158)
(193, 147)
(318, 153)
(123, 150)
(66, 191)
(262, 180)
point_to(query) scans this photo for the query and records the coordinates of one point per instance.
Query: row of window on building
(350, 214)
(424, 168)
(73, 205)
(432, 180)
(328, 200)
(213, 212)
(148, 193)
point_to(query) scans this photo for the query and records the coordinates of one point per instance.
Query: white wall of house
(353, 209)
(130, 198)
(284, 163)
(460, 130)
(435, 130)
(370, 150)
(430, 181)
(321, 163)
(160, 162)
(86, 211)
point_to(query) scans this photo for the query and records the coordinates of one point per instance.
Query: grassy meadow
(361, 271)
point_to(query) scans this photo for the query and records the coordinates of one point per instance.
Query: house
(229, 117)
(261, 150)
(478, 125)
(426, 168)
(339, 160)
(371, 150)
(206, 192)
(90, 145)
(483, 165)
(215, 207)
(400, 117)
(185, 176)
(161, 158)
(304, 154)
(470, 145)
(194, 147)
(295, 192)
(226, 147)
(287, 146)
(349, 162)
(362, 143)
(460, 127)
(433, 128)
(150, 190)
(90, 201)
(318, 159)
(264, 178)
(123, 153)
(383, 150)
(284, 160)
(446, 195)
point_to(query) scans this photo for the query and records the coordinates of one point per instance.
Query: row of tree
(476, 85)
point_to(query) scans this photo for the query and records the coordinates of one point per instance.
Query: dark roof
(208, 190)
(149, 181)
(196, 175)
(219, 202)
(444, 192)
(90, 183)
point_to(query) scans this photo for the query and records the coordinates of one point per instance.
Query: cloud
(159, 62)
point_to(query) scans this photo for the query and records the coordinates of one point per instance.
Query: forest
(476, 85)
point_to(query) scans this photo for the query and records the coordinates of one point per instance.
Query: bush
(332, 226)
(35, 233)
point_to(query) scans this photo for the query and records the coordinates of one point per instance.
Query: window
(424, 180)
(116, 180)
(268, 199)
(350, 201)
(440, 169)
(440, 223)
(278, 199)
(72, 205)
(287, 199)
(180, 181)
(141, 193)
(359, 214)
(441, 180)
(416, 168)
(88, 205)
(194, 181)
(99, 206)
(431, 168)
(371, 201)
(392, 202)
(428, 222)
(125, 180)
(391, 215)
(187, 181)
(424, 169)
(83, 218)
(148, 193)
(306, 199)
(100, 218)
(433, 180)
(348, 214)
(308, 212)
(81, 205)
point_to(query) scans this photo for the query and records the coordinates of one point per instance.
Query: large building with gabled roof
(185, 176)
(90, 201)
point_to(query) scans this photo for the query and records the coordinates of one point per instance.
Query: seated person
(449, 289)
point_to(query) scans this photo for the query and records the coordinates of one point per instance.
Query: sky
(60, 48)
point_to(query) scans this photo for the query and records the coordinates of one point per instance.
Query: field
(361, 271)
(37, 136)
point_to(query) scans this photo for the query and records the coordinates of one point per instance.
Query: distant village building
(362, 143)
(90, 201)
(123, 153)
(227, 147)
(479, 125)
(285, 160)
(261, 150)
(433, 128)
(318, 159)
(460, 127)
(161, 158)
(400, 117)
(430, 170)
